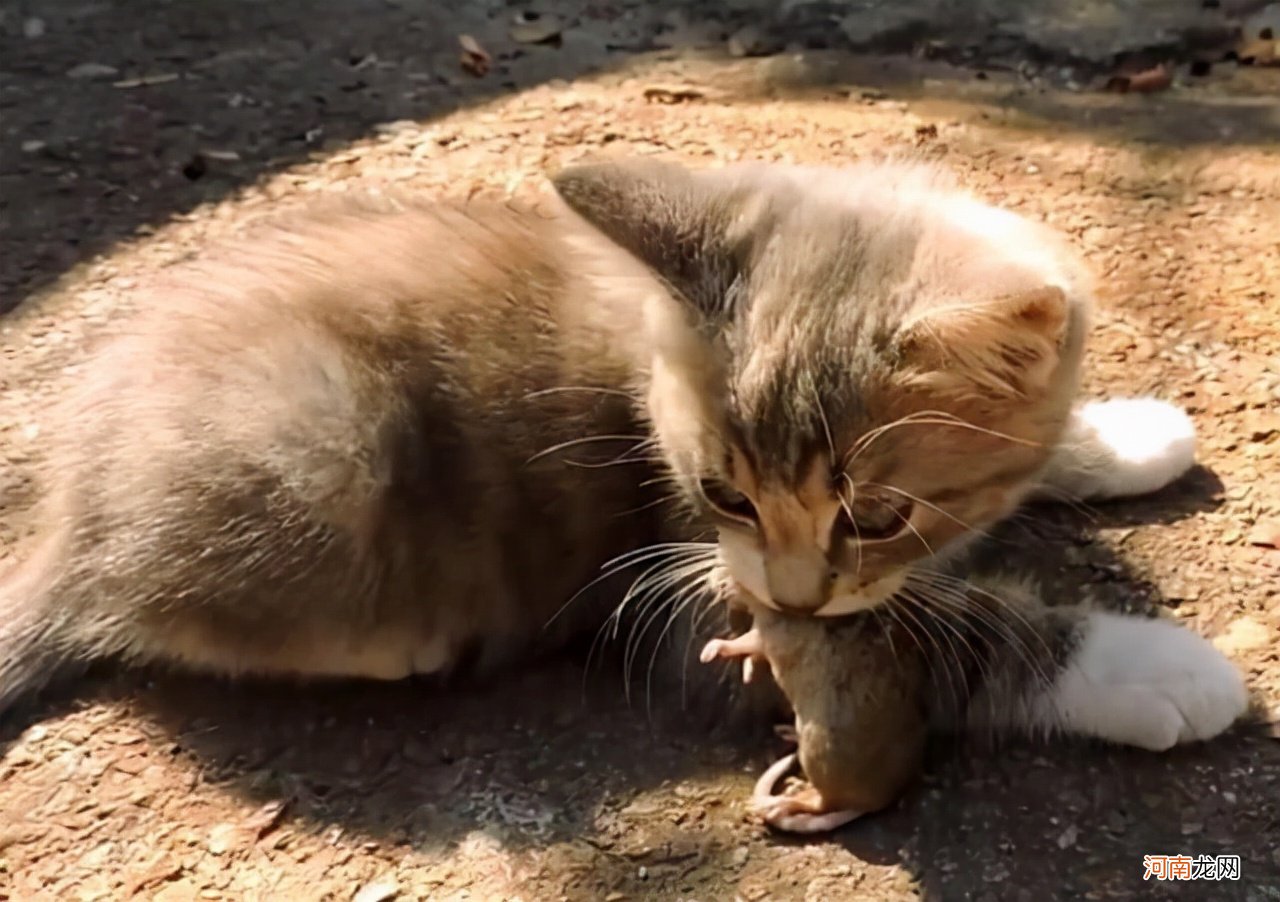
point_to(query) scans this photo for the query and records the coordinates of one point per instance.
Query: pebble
(377, 891)
(92, 70)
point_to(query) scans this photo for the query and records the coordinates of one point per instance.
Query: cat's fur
(386, 439)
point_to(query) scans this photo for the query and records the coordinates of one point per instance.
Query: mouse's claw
(803, 812)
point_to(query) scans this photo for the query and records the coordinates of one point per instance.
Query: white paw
(1146, 683)
(1122, 448)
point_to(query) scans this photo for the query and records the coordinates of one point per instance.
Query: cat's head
(852, 370)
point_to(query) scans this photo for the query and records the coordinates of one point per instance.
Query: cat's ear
(679, 224)
(1009, 346)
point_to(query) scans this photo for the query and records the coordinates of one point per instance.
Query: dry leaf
(157, 874)
(474, 60)
(659, 94)
(146, 80)
(1157, 78)
(926, 133)
(265, 819)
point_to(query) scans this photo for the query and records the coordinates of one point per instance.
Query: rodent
(857, 690)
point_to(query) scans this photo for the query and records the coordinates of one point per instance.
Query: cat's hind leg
(1119, 448)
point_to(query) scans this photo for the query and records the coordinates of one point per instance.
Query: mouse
(856, 686)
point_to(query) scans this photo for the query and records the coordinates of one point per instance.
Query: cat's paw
(1145, 683)
(1121, 448)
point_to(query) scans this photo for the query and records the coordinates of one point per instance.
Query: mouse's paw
(787, 733)
(802, 812)
(745, 646)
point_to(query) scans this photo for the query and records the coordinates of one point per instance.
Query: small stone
(377, 891)
(1069, 837)
(749, 41)
(1266, 535)
(1243, 634)
(33, 146)
(221, 838)
(33, 28)
(740, 856)
(1190, 828)
(530, 27)
(92, 70)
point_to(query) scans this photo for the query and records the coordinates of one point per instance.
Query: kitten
(402, 438)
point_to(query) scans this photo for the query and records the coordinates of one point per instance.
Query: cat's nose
(798, 582)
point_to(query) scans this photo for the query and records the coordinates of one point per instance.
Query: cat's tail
(34, 649)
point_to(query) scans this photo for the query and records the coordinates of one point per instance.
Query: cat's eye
(871, 517)
(727, 500)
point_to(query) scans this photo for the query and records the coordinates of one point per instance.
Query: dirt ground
(550, 786)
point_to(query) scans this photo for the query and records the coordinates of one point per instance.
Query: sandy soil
(155, 786)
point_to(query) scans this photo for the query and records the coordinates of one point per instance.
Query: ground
(550, 785)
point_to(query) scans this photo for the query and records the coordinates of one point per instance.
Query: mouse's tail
(34, 649)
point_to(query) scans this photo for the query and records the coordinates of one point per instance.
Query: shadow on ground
(116, 117)
(554, 757)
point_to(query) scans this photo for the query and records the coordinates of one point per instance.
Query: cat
(394, 437)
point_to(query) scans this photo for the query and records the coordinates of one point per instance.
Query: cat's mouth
(747, 568)
(866, 597)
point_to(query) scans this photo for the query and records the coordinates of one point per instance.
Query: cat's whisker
(1005, 635)
(888, 636)
(826, 424)
(669, 498)
(621, 562)
(959, 592)
(903, 611)
(1075, 502)
(592, 389)
(670, 556)
(646, 582)
(695, 633)
(927, 418)
(853, 521)
(891, 611)
(679, 604)
(907, 597)
(969, 527)
(630, 456)
(872, 435)
(585, 440)
(907, 523)
(943, 613)
(666, 589)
